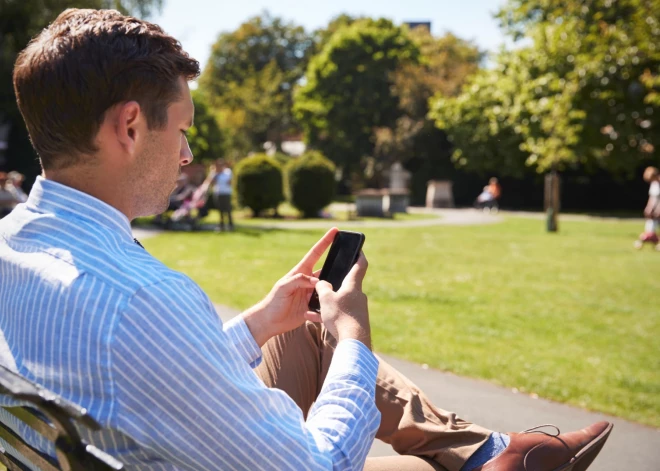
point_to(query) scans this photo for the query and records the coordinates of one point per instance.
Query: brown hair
(650, 173)
(84, 63)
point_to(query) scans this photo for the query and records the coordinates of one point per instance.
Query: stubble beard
(152, 187)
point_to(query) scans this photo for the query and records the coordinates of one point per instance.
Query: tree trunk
(552, 199)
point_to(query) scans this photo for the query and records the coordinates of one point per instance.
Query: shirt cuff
(352, 359)
(242, 338)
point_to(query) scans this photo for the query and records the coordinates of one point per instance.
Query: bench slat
(20, 388)
(12, 464)
(35, 422)
(31, 454)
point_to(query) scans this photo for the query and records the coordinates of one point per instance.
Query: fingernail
(313, 279)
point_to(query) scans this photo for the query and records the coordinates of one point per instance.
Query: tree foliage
(205, 137)
(348, 89)
(250, 77)
(581, 90)
(445, 64)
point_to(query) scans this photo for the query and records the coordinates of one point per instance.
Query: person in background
(7, 199)
(15, 186)
(182, 192)
(221, 188)
(652, 210)
(488, 198)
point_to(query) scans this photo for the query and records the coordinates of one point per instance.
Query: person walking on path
(90, 315)
(651, 211)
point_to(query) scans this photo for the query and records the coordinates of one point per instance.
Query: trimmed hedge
(310, 183)
(259, 183)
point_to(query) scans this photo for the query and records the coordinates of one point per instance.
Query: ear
(130, 125)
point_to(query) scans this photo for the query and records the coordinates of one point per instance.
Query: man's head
(650, 174)
(3, 180)
(106, 95)
(220, 165)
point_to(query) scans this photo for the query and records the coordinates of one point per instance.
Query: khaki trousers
(431, 438)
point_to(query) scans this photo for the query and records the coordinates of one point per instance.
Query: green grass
(573, 316)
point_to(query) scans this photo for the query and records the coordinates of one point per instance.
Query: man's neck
(100, 184)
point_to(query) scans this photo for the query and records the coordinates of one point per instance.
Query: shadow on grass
(241, 229)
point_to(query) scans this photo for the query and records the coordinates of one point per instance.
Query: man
(87, 313)
(222, 193)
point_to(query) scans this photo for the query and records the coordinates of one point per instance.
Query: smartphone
(344, 253)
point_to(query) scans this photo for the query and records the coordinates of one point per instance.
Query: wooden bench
(55, 419)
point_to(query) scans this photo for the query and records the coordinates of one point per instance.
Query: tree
(347, 93)
(250, 77)
(478, 122)
(20, 20)
(583, 92)
(205, 138)
(322, 36)
(445, 64)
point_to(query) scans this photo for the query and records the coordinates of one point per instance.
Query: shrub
(310, 183)
(259, 183)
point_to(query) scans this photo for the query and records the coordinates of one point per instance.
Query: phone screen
(343, 254)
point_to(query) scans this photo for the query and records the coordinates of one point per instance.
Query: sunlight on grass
(572, 316)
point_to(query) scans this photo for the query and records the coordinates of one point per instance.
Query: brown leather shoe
(533, 450)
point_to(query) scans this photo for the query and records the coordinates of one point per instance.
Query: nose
(186, 156)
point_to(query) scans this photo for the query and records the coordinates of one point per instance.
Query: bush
(259, 183)
(310, 183)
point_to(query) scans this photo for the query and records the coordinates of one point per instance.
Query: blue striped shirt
(91, 316)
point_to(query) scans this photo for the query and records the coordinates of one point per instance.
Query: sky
(197, 23)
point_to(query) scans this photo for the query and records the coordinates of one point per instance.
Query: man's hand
(345, 313)
(285, 307)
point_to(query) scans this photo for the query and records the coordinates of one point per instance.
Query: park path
(437, 217)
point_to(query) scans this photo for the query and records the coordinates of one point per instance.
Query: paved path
(437, 217)
(630, 447)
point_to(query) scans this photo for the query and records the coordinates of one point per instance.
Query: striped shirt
(91, 316)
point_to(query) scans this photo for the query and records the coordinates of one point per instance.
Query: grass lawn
(573, 316)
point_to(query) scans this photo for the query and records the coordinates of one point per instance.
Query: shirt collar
(52, 197)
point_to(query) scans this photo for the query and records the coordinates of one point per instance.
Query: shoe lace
(537, 429)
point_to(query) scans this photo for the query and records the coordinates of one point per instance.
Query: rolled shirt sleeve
(239, 334)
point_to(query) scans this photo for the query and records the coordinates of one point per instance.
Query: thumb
(323, 288)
